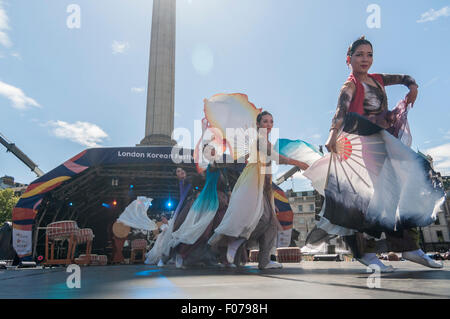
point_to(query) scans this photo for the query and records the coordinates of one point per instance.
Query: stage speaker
(327, 257)
(27, 264)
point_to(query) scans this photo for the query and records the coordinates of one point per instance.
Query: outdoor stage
(304, 280)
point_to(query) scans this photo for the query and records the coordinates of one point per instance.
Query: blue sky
(63, 90)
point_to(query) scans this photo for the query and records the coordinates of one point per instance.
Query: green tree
(7, 203)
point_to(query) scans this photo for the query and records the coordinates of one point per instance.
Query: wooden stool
(102, 260)
(99, 260)
(289, 255)
(60, 231)
(84, 236)
(138, 245)
(84, 260)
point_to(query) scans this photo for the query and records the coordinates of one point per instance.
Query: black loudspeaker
(327, 257)
(27, 264)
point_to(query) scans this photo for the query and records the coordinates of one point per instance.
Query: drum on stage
(289, 255)
(120, 230)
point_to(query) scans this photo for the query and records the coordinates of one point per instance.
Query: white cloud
(441, 157)
(119, 47)
(444, 133)
(447, 135)
(4, 26)
(138, 90)
(432, 14)
(176, 114)
(83, 133)
(4, 40)
(16, 55)
(317, 136)
(18, 98)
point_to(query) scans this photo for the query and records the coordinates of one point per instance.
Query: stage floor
(303, 280)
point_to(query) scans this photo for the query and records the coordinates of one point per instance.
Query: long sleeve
(345, 98)
(392, 79)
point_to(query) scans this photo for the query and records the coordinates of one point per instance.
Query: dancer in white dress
(251, 207)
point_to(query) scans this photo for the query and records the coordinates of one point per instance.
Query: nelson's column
(161, 77)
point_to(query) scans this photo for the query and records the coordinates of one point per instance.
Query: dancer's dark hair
(352, 48)
(178, 167)
(260, 116)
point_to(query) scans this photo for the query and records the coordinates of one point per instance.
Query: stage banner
(25, 211)
(285, 216)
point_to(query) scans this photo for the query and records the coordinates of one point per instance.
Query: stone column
(161, 78)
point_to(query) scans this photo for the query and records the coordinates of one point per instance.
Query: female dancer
(162, 250)
(190, 239)
(364, 94)
(251, 213)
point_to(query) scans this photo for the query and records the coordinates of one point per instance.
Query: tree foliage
(7, 203)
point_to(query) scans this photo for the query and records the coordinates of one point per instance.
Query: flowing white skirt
(162, 245)
(245, 207)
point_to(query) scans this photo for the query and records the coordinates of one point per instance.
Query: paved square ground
(301, 280)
